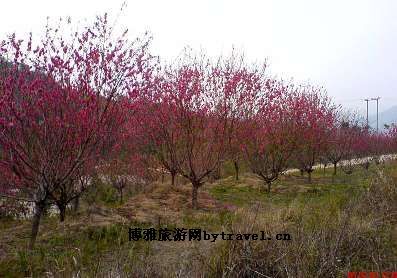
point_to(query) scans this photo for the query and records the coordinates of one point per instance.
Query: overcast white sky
(349, 47)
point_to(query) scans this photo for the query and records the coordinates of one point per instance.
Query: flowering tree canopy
(61, 106)
(315, 119)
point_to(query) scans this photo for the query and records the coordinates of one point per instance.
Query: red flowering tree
(343, 137)
(392, 134)
(128, 170)
(270, 139)
(133, 164)
(157, 127)
(364, 149)
(241, 84)
(315, 120)
(193, 98)
(61, 108)
(381, 144)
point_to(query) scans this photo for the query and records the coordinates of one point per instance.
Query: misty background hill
(388, 117)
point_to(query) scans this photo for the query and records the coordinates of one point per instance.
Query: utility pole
(377, 113)
(367, 100)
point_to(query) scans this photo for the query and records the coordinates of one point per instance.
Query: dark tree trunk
(62, 211)
(121, 195)
(302, 172)
(269, 185)
(194, 196)
(236, 168)
(335, 165)
(38, 212)
(309, 178)
(76, 204)
(173, 174)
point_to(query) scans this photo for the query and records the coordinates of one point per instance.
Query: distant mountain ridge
(387, 117)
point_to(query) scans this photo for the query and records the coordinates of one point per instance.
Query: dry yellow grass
(167, 203)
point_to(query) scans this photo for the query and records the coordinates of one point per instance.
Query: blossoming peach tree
(61, 108)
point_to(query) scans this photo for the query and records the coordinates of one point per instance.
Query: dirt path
(382, 158)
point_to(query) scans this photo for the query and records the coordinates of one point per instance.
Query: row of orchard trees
(75, 103)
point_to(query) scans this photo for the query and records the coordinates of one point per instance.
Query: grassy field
(337, 224)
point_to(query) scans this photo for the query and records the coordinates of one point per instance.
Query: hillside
(388, 117)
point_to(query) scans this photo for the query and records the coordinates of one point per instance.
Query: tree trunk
(309, 176)
(302, 172)
(38, 212)
(194, 196)
(62, 211)
(173, 174)
(236, 168)
(121, 195)
(335, 165)
(76, 204)
(269, 185)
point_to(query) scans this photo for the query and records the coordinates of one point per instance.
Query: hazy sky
(349, 47)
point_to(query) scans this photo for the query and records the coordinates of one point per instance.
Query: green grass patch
(325, 188)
